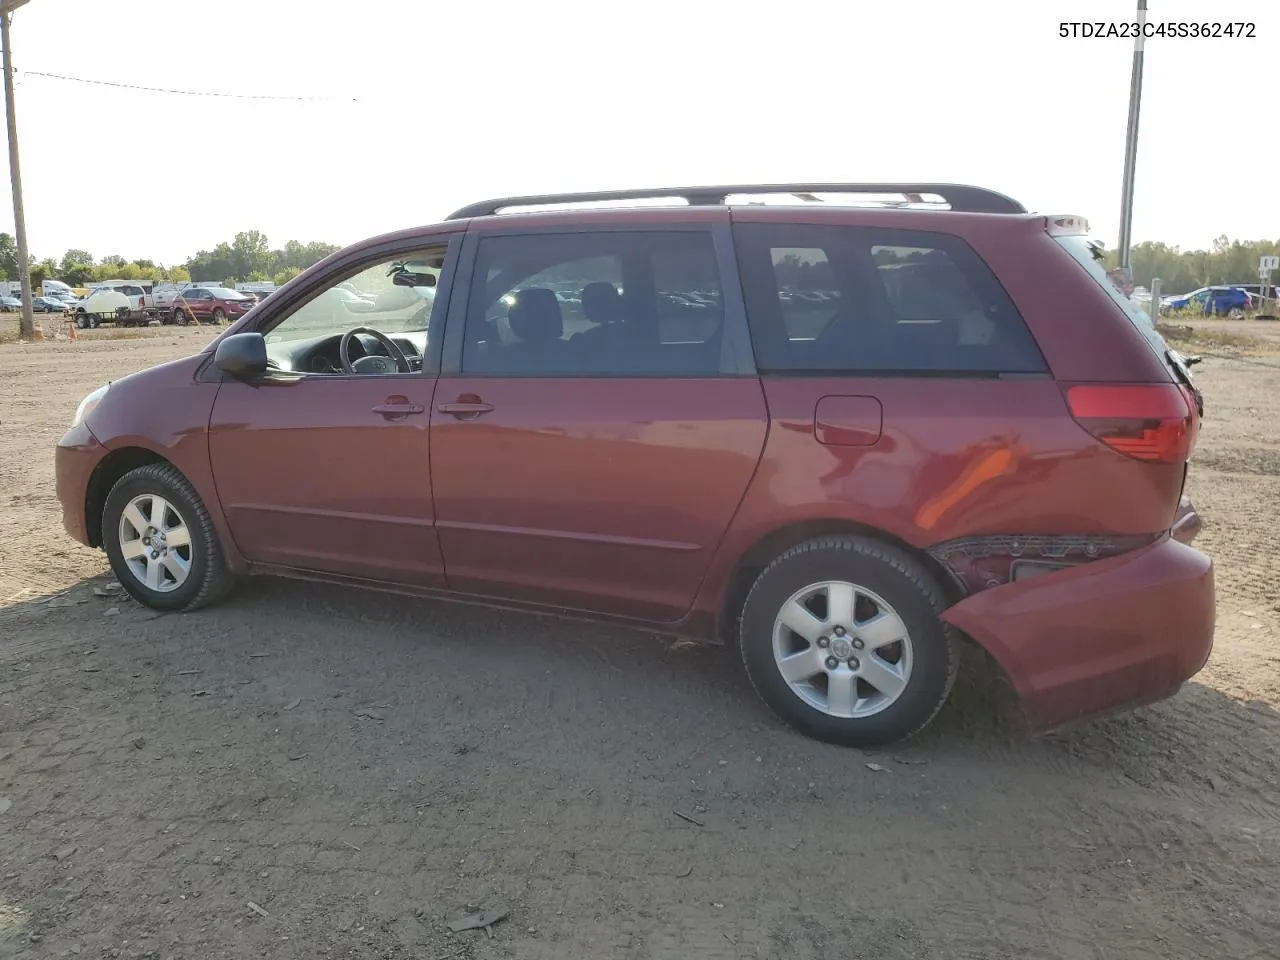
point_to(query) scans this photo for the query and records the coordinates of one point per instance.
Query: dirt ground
(363, 768)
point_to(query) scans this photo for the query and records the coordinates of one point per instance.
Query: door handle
(396, 408)
(465, 410)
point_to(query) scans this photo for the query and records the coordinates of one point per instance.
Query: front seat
(536, 319)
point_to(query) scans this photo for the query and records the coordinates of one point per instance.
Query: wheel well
(769, 547)
(113, 466)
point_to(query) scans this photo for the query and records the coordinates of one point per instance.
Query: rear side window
(607, 304)
(860, 299)
(1087, 254)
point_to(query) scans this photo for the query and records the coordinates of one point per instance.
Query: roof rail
(957, 196)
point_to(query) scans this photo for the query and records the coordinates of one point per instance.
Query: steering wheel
(372, 363)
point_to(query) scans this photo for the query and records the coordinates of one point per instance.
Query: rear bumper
(75, 458)
(1113, 634)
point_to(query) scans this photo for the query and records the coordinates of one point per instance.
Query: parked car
(10, 303)
(208, 305)
(48, 305)
(1211, 301)
(971, 437)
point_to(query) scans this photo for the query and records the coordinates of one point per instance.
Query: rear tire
(876, 663)
(161, 541)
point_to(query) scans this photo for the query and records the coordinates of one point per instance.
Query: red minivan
(846, 437)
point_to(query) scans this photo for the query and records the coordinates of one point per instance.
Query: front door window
(387, 310)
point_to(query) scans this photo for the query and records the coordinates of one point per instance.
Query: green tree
(76, 267)
(250, 253)
(215, 266)
(281, 277)
(1181, 271)
(42, 271)
(8, 257)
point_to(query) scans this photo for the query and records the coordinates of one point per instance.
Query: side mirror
(242, 355)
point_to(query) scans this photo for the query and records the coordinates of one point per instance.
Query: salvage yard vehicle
(104, 305)
(209, 305)
(844, 436)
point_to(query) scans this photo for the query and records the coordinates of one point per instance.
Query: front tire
(219, 317)
(841, 637)
(161, 541)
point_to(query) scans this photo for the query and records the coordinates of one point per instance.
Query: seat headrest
(535, 316)
(601, 303)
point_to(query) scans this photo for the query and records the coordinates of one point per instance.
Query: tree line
(1181, 271)
(247, 257)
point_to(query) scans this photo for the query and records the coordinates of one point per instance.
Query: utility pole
(1131, 144)
(26, 329)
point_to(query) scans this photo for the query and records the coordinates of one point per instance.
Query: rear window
(1085, 253)
(860, 299)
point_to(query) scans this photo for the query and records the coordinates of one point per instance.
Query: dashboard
(320, 354)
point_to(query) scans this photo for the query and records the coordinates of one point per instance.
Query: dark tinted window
(596, 304)
(867, 299)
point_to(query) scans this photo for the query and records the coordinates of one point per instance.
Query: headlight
(88, 403)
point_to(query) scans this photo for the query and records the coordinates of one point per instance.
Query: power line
(184, 93)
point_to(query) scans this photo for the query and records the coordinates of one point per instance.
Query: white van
(58, 289)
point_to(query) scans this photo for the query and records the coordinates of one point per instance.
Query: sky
(418, 107)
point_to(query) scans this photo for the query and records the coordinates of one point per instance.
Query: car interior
(374, 323)
(528, 325)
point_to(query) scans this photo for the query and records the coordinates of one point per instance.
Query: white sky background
(469, 99)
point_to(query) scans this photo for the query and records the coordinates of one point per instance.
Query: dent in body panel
(1082, 641)
(957, 457)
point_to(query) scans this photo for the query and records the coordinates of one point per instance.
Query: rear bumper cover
(1105, 636)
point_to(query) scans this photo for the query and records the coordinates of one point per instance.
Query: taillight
(1152, 422)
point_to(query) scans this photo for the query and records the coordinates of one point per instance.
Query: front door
(599, 423)
(324, 464)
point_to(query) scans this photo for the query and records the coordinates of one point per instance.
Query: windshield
(225, 293)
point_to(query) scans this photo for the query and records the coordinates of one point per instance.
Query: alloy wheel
(155, 543)
(842, 649)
